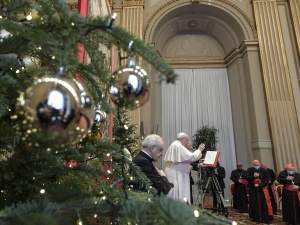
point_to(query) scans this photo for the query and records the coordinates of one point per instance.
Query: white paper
(210, 157)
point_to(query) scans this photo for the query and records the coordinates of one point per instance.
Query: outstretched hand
(201, 147)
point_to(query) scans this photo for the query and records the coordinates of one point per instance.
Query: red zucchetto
(255, 161)
(288, 165)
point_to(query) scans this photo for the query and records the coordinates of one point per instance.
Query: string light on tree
(29, 17)
(196, 213)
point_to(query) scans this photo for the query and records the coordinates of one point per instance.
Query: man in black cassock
(220, 174)
(260, 208)
(271, 188)
(290, 194)
(152, 151)
(195, 166)
(240, 192)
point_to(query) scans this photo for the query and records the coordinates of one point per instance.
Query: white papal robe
(178, 159)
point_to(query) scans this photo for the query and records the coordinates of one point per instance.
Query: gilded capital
(132, 3)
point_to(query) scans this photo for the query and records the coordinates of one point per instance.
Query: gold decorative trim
(132, 3)
(295, 11)
(277, 83)
(208, 2)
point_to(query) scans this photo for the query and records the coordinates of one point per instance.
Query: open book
(211, 158)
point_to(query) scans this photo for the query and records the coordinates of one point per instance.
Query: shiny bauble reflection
(130, 87)
(100, 116)
(55, 112)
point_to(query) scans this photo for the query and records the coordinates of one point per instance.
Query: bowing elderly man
(178, 158)
(152, 151)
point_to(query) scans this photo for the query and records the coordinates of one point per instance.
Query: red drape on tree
(82, 9)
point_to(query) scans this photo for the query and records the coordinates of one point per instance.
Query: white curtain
(200, 97)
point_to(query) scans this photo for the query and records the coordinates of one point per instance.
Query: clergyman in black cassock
(152, 151)
(240, 198)
(271, 188)
(220, 174)
(290, 194)
(260, 208)
(195, 166)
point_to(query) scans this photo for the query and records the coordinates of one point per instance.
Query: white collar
(147, 154)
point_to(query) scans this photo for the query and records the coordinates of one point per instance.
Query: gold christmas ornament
(55, 111)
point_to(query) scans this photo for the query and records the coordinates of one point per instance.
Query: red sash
(274, 193)
(256, 181)
(245, 182)
(268, 200)
(266, 194)
(289, 187)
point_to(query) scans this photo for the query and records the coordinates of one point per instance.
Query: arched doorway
(212, 36)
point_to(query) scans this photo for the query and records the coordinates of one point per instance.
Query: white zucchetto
(180, 135)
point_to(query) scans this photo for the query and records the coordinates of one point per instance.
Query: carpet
(239, 217)
(243, 218)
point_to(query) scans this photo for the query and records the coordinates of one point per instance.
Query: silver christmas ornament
(55, 111)
(130, 87)
(100, 116)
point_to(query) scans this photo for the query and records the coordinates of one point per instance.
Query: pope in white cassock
(178, 167)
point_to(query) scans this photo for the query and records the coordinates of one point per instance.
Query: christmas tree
(56, 165)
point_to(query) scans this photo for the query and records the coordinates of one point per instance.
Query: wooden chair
(231, 189)
(279, 189)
